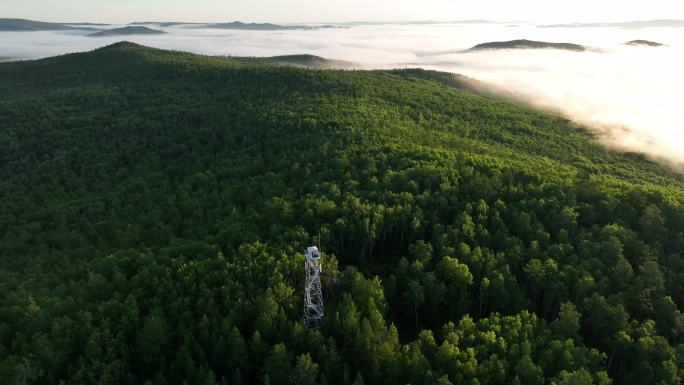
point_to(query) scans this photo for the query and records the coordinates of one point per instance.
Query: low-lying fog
(632, 95)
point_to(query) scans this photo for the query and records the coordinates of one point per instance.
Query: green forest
(155, 207)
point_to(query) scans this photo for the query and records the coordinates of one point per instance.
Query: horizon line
(408, 21)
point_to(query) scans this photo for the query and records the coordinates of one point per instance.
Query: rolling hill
(128, 31)
(303, 61)
(156, 206)
(528, 44)
(644, 43)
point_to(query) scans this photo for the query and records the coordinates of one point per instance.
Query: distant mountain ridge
(661, 23)
(164, 23)
(238, 25)
(263, 26)
(252, 26)
(94, 24)
(25, 25)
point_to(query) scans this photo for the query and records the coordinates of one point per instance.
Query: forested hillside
(155, 207)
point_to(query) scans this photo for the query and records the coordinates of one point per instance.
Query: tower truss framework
(313, 296)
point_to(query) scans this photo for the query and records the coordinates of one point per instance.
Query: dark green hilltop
(155, 207)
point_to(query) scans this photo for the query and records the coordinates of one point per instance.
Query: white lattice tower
(313, 296)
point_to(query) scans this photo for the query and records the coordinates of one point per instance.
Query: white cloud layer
(631, 95)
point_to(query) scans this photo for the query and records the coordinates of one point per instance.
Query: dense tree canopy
(155, 207)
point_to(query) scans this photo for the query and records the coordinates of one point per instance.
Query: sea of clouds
(633, 97)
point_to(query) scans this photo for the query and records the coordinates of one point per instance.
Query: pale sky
(545, 11)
